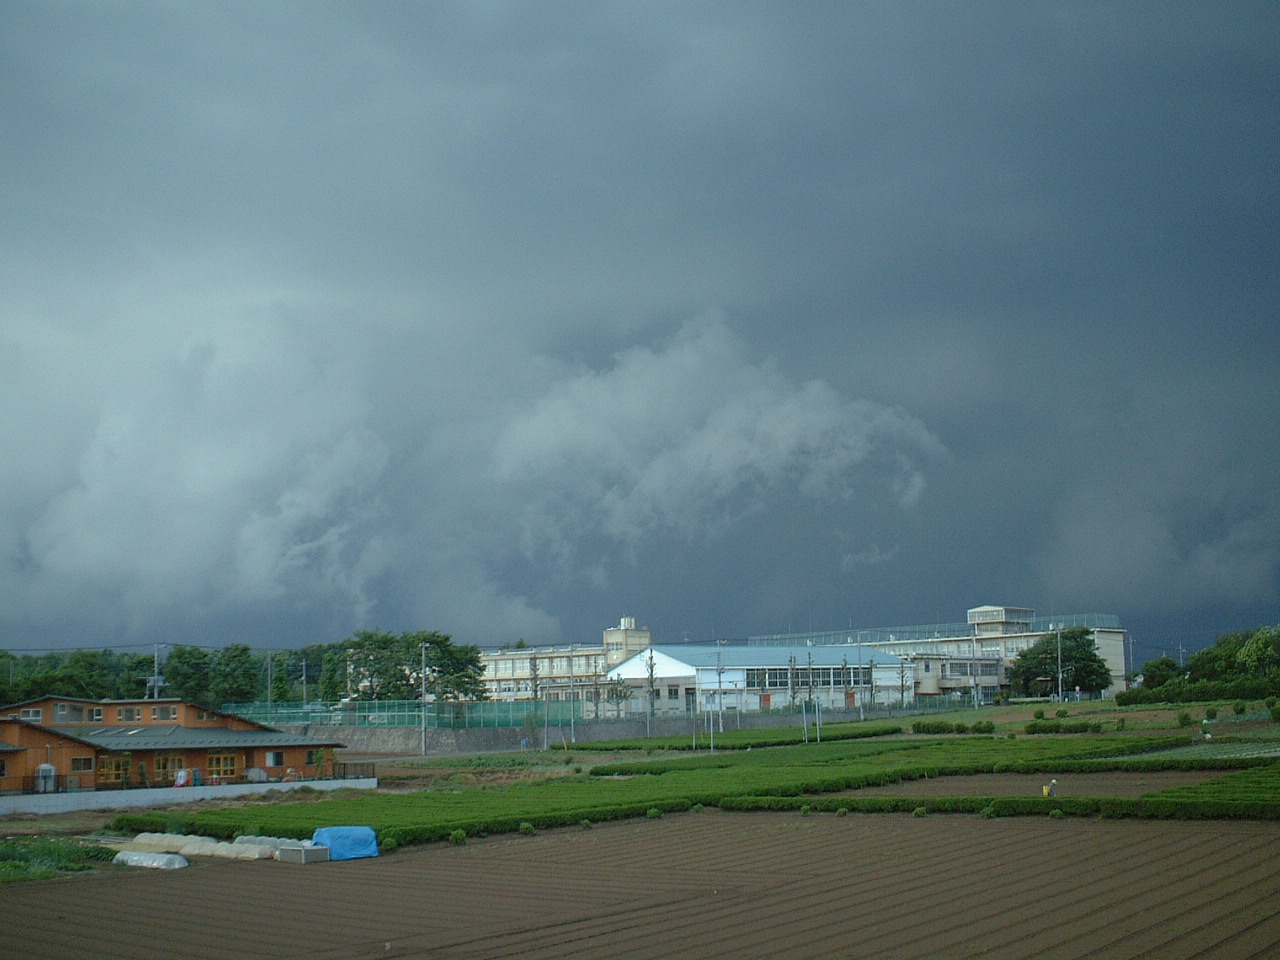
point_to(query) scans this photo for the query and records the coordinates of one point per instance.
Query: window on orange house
(111, 769)
(167, 767)
(222, 766)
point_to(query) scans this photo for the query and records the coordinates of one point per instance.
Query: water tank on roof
(46, 778)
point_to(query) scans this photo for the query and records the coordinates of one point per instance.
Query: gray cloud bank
(510, 319)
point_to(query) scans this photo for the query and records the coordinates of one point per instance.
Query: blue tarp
(347, 843)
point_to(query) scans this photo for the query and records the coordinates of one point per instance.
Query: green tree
(1035, 671)
(187, 672)
(454, 672)
(233, 675)
(1260, 653)
(1158, 672)
(281, 688)
(1220, 661)
(375, 665)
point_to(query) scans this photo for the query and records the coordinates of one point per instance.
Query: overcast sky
(510, 319)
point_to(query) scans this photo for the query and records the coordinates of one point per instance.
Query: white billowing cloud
(692, 436)
(237, 471)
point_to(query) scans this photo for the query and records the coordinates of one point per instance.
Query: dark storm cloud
(507, 319)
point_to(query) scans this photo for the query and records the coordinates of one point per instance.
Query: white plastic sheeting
(157, 861)
(244, 848)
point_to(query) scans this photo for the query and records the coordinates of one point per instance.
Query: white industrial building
(992, 635)
(884, 666)
(689, 678)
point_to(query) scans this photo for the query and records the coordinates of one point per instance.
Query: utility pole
(1060, 663)
(720, 684)
(422, 696)
(648, 715)
(862, 713)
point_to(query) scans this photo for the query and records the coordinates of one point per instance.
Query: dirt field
(705, 885)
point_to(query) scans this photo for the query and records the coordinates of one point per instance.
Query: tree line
(1244, 664)
(369, 665)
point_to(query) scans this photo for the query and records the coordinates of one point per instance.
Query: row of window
(75, 713)
(784, 678)
(963, 668)
(165, 767)
(554, 666)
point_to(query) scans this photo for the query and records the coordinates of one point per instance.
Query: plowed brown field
(704, 885)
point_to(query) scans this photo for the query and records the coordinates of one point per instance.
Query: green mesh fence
(408, 713)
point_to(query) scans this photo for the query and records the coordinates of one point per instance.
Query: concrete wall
(159, 796)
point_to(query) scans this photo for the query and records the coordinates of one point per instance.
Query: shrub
(1057, 814)
(527, 828)
(1239, 707)
(1062, 713)
(388, 845)
(920, 812)
(653, 813)
(1270, 702)
(1275, 714)
(933, 727)
(984, 726)
(1184, 719)
(1211, 713)
(458, 837)
(989, 812)
(584, 823)
(842, 811)
(1063, 726)
(804, 811)
(961, 728)
(1039, 714)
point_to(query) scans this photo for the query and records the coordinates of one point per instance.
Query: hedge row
(944, 727)
(1063, 726)
(1144, 808)
(478, 828)
(1183, 691)
(749, 739)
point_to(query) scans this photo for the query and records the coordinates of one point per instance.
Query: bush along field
(41, 858)
(750, 777)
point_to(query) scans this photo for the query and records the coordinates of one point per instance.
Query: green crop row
(1147, 808)
(617, 790)
(1260, 782)
(748, 739)
(1063, 726)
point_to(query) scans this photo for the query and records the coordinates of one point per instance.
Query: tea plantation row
(777, 778)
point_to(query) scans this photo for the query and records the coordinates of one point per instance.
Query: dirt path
(707, 885)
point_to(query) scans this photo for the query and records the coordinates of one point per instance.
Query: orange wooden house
(51, 744)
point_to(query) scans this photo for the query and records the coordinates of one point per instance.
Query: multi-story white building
(844, 668)
(575, 672)
(984, 646)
